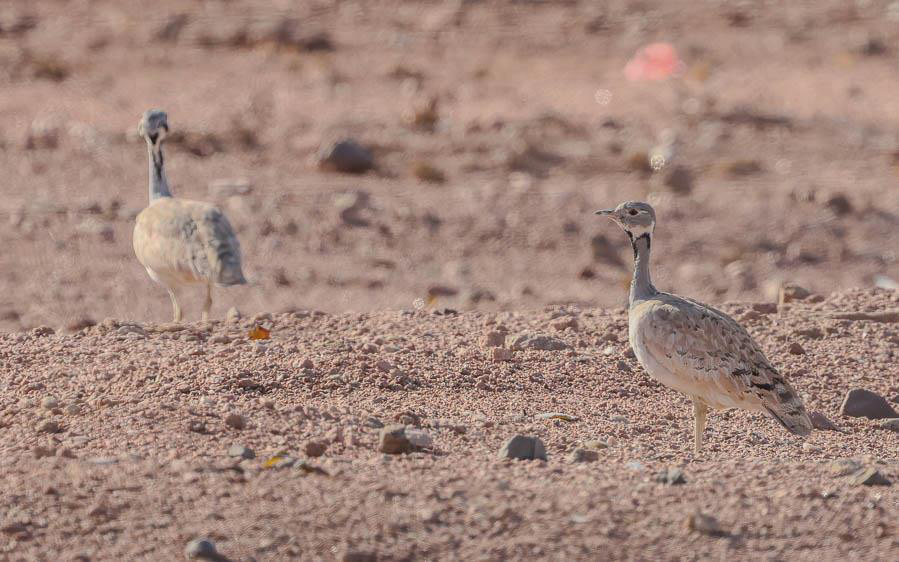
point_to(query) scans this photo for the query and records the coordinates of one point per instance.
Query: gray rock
(796, 348)
(345, 156)
(580, 455)
(671, 476)
(820, 421)
(539, 342)
(201, 549)
(393, 440)
(49, 426)
(842, 467)
(419, 438)
(869, 477)
(891, 424)
(861, 403)
(523, 447)
(238, 450)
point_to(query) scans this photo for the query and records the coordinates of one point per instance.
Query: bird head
(153, 126)
(635, 217)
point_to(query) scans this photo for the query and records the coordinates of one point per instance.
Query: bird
(182, 242)
(696, 349)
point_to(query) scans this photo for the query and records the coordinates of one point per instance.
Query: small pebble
(393, 440)
(236, 421)
(238, 450)
(315, 448)
(523, 447)
(201, 549)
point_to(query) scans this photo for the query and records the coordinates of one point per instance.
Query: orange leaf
(259, 333)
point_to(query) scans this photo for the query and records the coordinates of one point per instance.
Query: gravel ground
(117, 441)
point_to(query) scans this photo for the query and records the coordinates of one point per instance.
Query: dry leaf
(259, 333)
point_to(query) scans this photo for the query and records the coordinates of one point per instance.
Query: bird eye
(633, 212)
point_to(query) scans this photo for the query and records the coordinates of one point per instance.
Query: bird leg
(700, 410)
(208, 304)
(176, 308)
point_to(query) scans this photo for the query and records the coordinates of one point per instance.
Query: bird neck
(641, 284)
(159, 185)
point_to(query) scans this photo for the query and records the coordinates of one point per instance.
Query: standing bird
(182, 242)
(693, 348)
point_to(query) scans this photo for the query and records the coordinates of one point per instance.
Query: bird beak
(604, 212)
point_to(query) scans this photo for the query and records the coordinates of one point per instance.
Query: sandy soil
(114, 443)
(777, 114)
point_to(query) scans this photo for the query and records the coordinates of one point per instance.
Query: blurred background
(476, 138)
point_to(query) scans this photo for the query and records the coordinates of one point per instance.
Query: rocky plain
(430, 360)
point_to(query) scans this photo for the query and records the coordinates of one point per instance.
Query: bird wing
(184, 241)
(222, 249)
(717, 360)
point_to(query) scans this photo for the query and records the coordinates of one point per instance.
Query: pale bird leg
(700, 410)
(208, 304)
(176, 309)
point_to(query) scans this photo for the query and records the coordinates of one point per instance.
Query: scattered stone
(240, 451)
(196, 426)
(233, 316)
(523, 447)
(869, 477)
(65, 453)
(427, 172)
(236, 421)
(73, 409)
(502, 354)
(40, 451)
(49, 426)
(672, 476)
(811, 333)
(796, 349)
(790, 292)
(346, 156)
(539, 342)
(861, 403)
(705, 524)
(623, 366)
(49, 403)
(680, 180)
(419, 438)
(557, 416)
(596, 444)
(494, 339)
(580, 455)
(891, 424)
(393, 440)
(822, 422)
(315, 448)
(566, 323)
(839, 204)
(201, 549)
(374, 422)
(384, 366)
(435, 291)
(843, 467)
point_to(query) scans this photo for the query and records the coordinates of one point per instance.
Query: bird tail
(786, 407)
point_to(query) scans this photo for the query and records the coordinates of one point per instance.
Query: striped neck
(641, 284)
(159, 185)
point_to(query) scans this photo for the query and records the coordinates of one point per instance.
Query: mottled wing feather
(717, 360)
(221, 247)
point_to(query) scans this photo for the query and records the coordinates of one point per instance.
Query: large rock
(861, 403)
(523, 447)
(347, 156)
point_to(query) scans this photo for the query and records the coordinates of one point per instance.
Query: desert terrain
(493, 131)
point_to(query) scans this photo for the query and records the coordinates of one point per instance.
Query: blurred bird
(182, 242)
(696, 349)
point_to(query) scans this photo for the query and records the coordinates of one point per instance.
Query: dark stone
(523, 447)
(861, 403)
